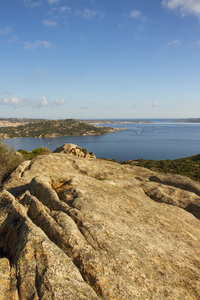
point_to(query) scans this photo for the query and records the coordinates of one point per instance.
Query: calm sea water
(162, 139)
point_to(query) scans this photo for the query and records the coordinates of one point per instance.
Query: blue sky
(100, 58)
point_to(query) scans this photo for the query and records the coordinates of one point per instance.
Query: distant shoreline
(191, 120)
(157, 141)
(96, 122)
(15, 122)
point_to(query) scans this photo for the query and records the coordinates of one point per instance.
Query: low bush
(9, 160)
(30, 154)
(188, 166)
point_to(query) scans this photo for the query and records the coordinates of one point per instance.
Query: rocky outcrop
(76, 228)
(72, 149)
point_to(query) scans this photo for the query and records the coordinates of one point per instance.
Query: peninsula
(49, 128)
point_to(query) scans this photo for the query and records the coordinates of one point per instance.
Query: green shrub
(9, 160)
(30, 154)
(41, 151)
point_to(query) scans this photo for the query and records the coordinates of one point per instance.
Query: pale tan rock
(8, 282)
(121, 232)
(43, 270)
(4, 278)
(72, 149)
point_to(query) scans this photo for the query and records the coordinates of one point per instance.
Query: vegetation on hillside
(21, 120)
(189, 166)
(30, 154)
(47, 128)
(9, 160)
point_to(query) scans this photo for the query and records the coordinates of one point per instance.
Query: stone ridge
(77, 228)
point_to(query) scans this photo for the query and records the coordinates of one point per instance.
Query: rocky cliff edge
(78, 228)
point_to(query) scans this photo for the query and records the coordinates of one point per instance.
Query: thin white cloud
(198, 43)
(156, 104)
(8, 100)
(174, 43)
(5, 30)
(60, 101)
(16, 101)
(57, 12)
(136, 14)
(13, 39)
(90, 14)
(43, 102)
(32, 3)
(53, 1)
(38, 44)
(64, 8)
(5, 100)
(49, 23)
(185, 7)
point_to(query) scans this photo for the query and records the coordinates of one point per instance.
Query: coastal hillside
(52, 128)
(76, 227)
(187, 166)
(16, 121)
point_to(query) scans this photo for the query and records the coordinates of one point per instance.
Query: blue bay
(162, 139)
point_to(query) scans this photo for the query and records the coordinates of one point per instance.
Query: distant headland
(190, 120)
(16, 128)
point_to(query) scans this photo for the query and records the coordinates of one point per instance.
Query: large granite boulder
(72, 149)
(76, 228)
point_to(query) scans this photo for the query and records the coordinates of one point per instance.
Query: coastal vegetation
(52, 128)
(9, 160)
(30, 154)
(188, 166)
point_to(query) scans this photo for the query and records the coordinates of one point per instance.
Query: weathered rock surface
(76, 228)
(72, 149)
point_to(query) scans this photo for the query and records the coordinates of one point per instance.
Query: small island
(17, 128)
